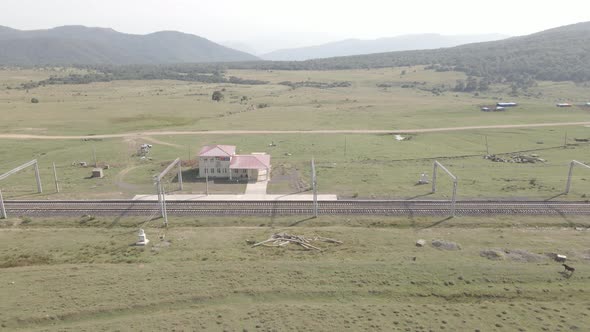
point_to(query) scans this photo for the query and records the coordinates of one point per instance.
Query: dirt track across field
(255, 132)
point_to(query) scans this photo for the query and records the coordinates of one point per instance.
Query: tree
(484, 84)
(460, 86)
(34, 100)
(217, 96)
(471, 84)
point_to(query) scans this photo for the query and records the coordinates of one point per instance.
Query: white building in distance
(221, 161)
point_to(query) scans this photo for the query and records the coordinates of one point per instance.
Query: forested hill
(557, 54)
(79, 45)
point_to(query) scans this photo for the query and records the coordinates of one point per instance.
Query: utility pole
(455, 184)
(314, 183)
(180, 175)
(157, 184)
(39, 185)
(345, 146)
(570, 173)
(23, 166)
(161, 200)
(3, 214)
(164, 210)
(55, 177)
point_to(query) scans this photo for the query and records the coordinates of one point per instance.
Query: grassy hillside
(81, 45)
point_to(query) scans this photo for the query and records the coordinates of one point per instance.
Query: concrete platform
(256, 188)
(244, 197)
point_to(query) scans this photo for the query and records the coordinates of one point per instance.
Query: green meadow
(132, 106)
(351, 166)
(202, 274)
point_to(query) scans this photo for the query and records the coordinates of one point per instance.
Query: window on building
(205, 171)
(244, 171)
(219, 170)
(213, 170)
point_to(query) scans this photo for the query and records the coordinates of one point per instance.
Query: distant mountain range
(70, 45)
(357, 46)
(558, 54)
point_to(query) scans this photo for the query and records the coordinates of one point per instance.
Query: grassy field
(205, 276)
(84, 274)
(361, 166)
(128, 106)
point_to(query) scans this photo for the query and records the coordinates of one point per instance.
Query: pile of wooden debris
(517, 158)
(283, 239)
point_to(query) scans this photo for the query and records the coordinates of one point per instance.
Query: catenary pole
(2, 208)
(55, 178)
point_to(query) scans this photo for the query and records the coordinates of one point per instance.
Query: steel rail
(275, 208)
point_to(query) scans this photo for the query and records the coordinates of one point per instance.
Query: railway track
(282, 208)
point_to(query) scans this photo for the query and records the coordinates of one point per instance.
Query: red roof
(217, 151)
(250, 161)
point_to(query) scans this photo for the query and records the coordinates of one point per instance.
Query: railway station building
(221, 161)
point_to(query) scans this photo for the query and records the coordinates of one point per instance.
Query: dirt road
(257, 132)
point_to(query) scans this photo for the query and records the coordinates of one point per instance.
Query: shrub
(217, 96)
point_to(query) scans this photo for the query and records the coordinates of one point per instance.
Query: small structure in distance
(423, 179)
(506, 104)
(493, 108)
(563, 105)
(142, 238)
(97, 173)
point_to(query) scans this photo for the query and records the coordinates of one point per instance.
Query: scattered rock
(446, 245)
(519, 255)
(492, 254)
(420, 243)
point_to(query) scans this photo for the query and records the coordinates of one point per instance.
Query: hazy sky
(272, 24)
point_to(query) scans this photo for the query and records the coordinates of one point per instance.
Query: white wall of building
(214, 167)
